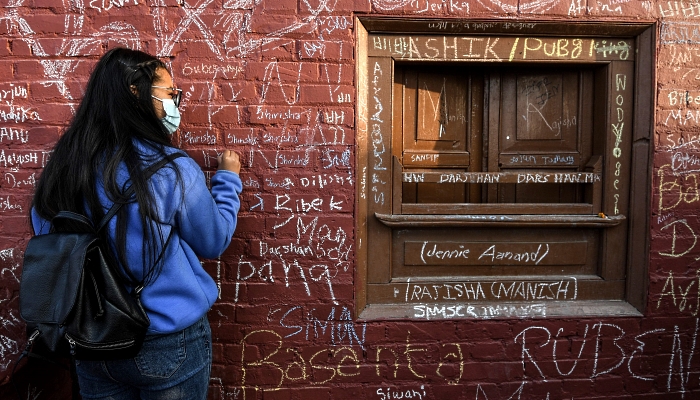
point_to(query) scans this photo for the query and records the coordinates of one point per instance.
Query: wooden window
(539, 129)
(495, 170)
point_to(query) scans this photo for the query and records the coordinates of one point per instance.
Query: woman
(122, 126)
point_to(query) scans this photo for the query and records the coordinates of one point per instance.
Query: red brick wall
(274, 79)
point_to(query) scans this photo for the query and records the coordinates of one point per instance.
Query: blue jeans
(175, 366)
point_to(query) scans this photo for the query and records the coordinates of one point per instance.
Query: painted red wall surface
(274, 79)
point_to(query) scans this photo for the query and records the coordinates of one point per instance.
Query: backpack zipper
(110, 346)
(30, 342)
(33, 336)
(71, 343)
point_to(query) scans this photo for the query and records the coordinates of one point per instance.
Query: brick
(217, 351)
(197, 137)
(238, 246)
(239, 92)
(10, 288)
(196, 114)
(361, 6)
(240, 136)
(350, 393)
(5, 48)
(278, 394)
(637, 387)
(441, 391)
(338, 115)
(342, 291)
(247, 315)
(270, 25)
(28, 70)
(316, 393)
(281, 71)
(205, 159)
(632, 8)
(315, 94)
(262, 114)
(609, 385)
(279, 94)
(340, 94)
(15, 159)
(232, 350)
(117, 8)
(250, 226)
(336, 223)
(23, 200)
(19, 181)
(280, 50)
(508, 7)
(125, 24)
(250, 201)
(226, 380)
(281, 137)
(46, 22)
(51, 45)
(13, 222)
(335, 26)
(45, 92)
(227, 114)
(74, 89)
(487, 351)
(284, 290)
(49, 4)
(493, 330)
(541, 9)
(222, 312)
(54, 112)
(264, 375)
(227, 332)
(197, 93)
(274, 7)
(198, 50)
(325, 50)
(234, 292)
(337, 73)
(207, 68)
(299, 204)
(15, 246)
(6, 70)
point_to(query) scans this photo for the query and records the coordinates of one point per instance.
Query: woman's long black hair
(116, 111)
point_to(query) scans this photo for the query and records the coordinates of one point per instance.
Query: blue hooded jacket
(202, 224)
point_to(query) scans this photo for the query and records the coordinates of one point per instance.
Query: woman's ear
(133, 90)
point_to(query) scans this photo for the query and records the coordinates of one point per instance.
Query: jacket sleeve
(206, 220)
(40, 226)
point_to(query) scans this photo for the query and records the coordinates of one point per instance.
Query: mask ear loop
(137, 71)
(132, 76)
(143, 68)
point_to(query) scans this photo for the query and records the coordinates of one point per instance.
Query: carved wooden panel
(435, 112)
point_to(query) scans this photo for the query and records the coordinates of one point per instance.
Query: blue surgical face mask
(172, 114)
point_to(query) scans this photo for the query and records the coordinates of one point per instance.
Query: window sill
(524, 221)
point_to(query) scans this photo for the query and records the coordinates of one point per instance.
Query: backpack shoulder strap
(68, 221)
(148, 172)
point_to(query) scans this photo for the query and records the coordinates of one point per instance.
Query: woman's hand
(229, 160)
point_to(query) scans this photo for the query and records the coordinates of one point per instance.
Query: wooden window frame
(381, 213)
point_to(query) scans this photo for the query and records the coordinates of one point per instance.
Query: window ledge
(476, 310)
(524, 221)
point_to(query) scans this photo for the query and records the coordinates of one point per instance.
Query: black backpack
(73, 298)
